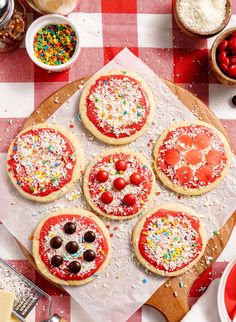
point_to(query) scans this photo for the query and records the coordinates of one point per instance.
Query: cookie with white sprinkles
(192, 157)
(44, 162)
(169, 239)
(117, 106)
(71, 246)
(119, 183)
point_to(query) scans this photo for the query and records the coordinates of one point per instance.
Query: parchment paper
(119, 291)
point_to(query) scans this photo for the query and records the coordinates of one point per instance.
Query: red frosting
(21, 174)
(230, 293)
(107, 130)
(202, 152)
(117, 207)
(170, 231)
(46, 252)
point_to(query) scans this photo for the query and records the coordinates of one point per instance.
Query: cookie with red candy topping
(44, 162)
(71, 246)
(169, 239)
(119, 183)
(117, 106)
(192, 157)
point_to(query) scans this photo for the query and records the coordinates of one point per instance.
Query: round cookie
(44, 162)
(169, 239)
(117, 106)
(119, 183)
(71, 246)
(192, 157)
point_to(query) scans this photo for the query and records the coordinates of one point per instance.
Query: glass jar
(12, 25)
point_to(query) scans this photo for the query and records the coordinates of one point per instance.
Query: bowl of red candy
(223, 57)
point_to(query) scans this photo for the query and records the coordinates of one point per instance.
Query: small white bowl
(41, 23)
(224, 317)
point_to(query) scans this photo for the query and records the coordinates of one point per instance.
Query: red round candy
(222, 45)
(119, 183)
(223, 68)
(232, 44)
(106, 197)
(221, 57)
(233, 35)
(121, 165)
(135, 178)
(102, 176)
(232, 71)
(129, 199)
(232, 60)
(226, 61)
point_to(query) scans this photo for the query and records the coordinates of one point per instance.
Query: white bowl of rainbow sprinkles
(53, 43)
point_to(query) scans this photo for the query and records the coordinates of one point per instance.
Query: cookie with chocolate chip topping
(71, 246)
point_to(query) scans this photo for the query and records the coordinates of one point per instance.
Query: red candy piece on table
(202, 140)
(184, 174)
(193, 156)
(232, 60)
(233, 35)
(223, 68)
(172, 156)
(106, 197)
(213, 157)
(221, 57)
(184, 142)
(102, 176)
(232, 43)
(232, 70)
(204, 173)
(119, 183)
(129, 199)
(222, 45)
(121, 165)
(135, 178)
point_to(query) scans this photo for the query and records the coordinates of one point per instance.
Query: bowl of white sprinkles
(202, 18)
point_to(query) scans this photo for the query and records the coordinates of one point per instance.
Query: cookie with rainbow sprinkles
(119, 183)
(169, 239)
(71, 246)
(44, 162)
(192, 157)
(117, 106)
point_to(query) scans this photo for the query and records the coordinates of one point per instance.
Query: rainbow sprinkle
(55, 44)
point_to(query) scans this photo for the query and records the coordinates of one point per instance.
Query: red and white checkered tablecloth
(148, 29)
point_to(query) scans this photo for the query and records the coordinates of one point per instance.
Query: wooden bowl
(213, 63)
(192, 33)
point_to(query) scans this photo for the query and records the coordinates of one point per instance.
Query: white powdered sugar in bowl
(202, 15)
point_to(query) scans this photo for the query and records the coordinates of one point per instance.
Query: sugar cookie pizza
(192, 157)
(71, 246)
(117, 106)
(119, 183)
(169, 239)
(44, 162)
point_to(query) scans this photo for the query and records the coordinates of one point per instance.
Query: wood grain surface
(171, 298)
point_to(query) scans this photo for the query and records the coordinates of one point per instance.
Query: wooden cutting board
(172, 297)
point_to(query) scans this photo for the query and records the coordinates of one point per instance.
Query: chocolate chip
(74, 267)
(89, 255)
(56, 242)
(69, 228)
(234, 100)
(89, 236)
(56, 260)
(72, 247)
